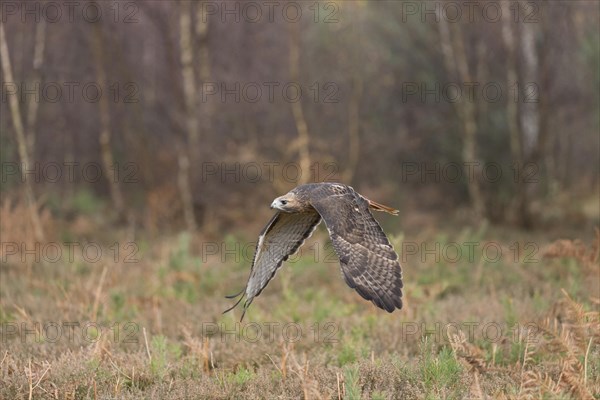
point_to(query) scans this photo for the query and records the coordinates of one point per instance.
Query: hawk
(368, 261)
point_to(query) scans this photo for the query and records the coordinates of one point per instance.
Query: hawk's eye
(283, 202)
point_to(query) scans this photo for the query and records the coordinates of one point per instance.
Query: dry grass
(154, 327)
(576, 249)
(16, 226)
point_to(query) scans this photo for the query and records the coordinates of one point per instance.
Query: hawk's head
(289, 203)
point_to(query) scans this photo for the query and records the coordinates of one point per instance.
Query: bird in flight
(368, 261)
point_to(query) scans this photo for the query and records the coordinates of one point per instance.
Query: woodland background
(200, 120)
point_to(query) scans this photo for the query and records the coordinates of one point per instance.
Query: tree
(99, 51)
(455, 60)
(25, 153)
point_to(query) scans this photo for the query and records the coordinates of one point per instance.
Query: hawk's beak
(276, 203)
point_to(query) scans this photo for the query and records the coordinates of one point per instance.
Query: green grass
(346, 347)
(161, 353)
(440, 372)
(351, 384)
(242, 376)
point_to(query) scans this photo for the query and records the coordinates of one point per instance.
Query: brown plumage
(369, 263)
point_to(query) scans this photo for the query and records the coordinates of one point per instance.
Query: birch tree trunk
(202, 35)
(192, 131)
(38, 60)
(209, 223)
(205, 108)
(356, 58)
(98, 50)
(512, 114)
(187, 71)
(353, 127)
(455, 60)
(522, 112)
(530, 120)
(303, 141)
(508, 37)
(22, 145)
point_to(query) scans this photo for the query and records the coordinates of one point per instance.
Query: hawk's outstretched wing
(369, 263)
(282, 237)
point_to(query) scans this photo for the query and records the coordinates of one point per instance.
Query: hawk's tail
(242, 294)
(380, 207)
(233, 296)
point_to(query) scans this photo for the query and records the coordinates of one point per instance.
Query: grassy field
(488, 313)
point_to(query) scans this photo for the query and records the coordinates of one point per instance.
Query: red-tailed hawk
(369, 263)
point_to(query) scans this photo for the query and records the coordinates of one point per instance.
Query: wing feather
(368, 261)
(279, 239)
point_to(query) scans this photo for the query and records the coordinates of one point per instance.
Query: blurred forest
(186, 115)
